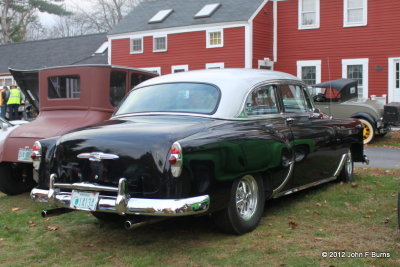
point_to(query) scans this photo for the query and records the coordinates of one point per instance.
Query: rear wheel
(368, 132)
(346, 175)
(14, 181)
(245, 206)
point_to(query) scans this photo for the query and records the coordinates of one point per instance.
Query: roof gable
(183, 14)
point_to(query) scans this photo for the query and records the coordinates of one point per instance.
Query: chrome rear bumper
(121, 203)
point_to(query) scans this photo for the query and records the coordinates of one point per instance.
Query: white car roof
(234, 84)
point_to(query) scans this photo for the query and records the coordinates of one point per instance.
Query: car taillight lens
(36, 154)
(176, 159)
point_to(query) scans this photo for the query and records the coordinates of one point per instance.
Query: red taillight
(36, 146)
(36, 154)
(176, 159)
(172, 160)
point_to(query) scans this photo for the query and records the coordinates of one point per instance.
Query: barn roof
(53, 52)
(184, 14)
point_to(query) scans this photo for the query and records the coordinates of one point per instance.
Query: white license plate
(84, 200)
(24, 154)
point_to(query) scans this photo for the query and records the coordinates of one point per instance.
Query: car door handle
(289, 120)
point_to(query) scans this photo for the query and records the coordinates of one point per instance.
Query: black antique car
(216, 142)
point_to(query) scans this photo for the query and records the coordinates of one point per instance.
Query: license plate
(24, 154)
(84, 200)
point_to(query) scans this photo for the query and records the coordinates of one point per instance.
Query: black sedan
(216, 142)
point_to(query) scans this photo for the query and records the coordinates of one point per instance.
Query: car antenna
(330, 89)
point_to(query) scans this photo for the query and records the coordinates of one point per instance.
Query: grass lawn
(390, 140)
(357, 217)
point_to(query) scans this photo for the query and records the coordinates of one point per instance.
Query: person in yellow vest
(4, 95)
(13, 103)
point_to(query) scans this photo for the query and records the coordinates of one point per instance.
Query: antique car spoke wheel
(368, 132)
(244, 208)
(346, 175)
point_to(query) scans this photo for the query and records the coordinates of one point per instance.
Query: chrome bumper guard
(121, 203)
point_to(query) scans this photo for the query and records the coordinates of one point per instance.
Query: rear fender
(366, 116)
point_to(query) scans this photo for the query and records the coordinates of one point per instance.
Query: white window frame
(153, 69)
(131, 45)
(154, 43)
(392, 78)
(310, 63)
(317, 16)
(179, 67)
(345, 16)
(208, 32)
(219, 65)
(358, 61)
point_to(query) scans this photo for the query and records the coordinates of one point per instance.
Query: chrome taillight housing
(36, 154)
(176, 159)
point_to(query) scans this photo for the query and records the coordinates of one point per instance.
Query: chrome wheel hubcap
(246, 197)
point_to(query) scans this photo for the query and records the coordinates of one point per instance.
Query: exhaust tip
(128, 225)
(44, 213)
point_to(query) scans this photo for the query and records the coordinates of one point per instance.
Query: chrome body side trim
(290, 191)
(341, 165)
(122, 203)
(282, 185)
(342, 162)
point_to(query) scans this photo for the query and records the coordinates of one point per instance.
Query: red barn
(179, 35)
(317, 40)
(323, 40)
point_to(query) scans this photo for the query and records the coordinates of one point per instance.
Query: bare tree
(102, 16)
(18, 15)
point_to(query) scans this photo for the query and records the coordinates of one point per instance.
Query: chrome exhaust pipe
(54, 212)
(131, 224)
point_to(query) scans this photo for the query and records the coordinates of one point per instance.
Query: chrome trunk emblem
(97, 156)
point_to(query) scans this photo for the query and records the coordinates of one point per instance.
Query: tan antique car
(338, 98)
(65, 98)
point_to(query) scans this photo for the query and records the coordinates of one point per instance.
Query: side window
(64, 87)
(261, 101)
(295, 99)
(137, 78)
(117, 87)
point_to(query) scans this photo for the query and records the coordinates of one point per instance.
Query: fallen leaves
(15, 209)
(293, 225)
(354, 185)
(52, 228)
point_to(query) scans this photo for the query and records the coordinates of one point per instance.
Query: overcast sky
(49, 20)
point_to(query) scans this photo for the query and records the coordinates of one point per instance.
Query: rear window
(172, 97)
(64, 87)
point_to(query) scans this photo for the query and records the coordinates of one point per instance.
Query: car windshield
(172, 97)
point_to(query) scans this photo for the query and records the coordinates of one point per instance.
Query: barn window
(136, 45)
(309, 71)
(308, 14)
(215, 38)
(355, 13)
(357, 69)
(159, 43)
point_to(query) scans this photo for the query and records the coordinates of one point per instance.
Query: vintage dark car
(339, 98)
(66, 98)
(216, 142)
